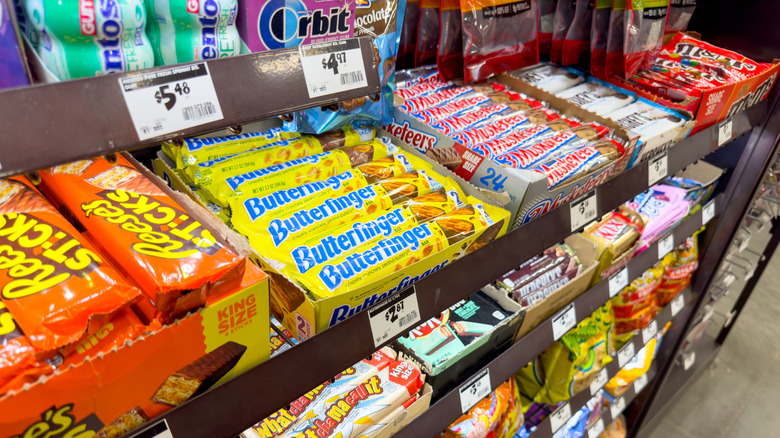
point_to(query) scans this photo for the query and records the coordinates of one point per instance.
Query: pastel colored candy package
(599, 34)
(680, 13)
(644, 33)
(449, 58)
(576, 44)
(615, 65)
(428, 30)
(498, 36)
(546, 19)
(564, 15)
(408, 37)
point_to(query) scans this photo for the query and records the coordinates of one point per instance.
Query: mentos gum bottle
(78, 38)
(189, 30)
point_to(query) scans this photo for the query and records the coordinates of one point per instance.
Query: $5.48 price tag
(474, 390)
(564, 321)
(618, 281)
(332, 67)
(170, 100)
(583, 210)
(395, 315)
(657, 169)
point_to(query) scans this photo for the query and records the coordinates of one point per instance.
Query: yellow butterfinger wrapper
(200, 149)
(297, 172)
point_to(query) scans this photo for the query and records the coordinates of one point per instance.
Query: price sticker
(395, 315)
(559, 418)
(657, 169)
(583, 210)
(618, 281)
(677, 304)
(665, 246)
(475, 390)
(173, 99)
(650, 331)
(689, 360)
(617, 407)
(724, 131)
(159, 430)
(597, 429)
(564, 321)
(332, 67)
(640, 383)
(601, 379)
(708, 212)
(625, 354)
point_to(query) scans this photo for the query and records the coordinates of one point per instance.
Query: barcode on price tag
(724, 131)
(625, 354)
(395, 315)
(657, 169)
(159, 430)
(564, 321)
(583, 210)
(560, 417)
(475, 390)
(650, 331)
(601, 379)
(640, 383)
(708, 212)
(617, 407)
(689, 360)
(677, 304)
(170, 100)
(597, 429)
(332, 67)
(665, 246)
(618, 281)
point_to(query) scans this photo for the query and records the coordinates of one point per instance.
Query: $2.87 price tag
(170, 100)
(395, 315)
(474, 390)
(332, 67)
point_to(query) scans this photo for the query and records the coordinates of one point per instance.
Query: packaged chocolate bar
(422, 88)
(621, 229)
(437, 98)
(478, 116)
(555, 266)
(580, 161)
(281, 339)
(67, 289)
(440, 339)
(549, 77)
(544, 149)
(449, 58)
(169, 254)
(197, 149)
(597, 96)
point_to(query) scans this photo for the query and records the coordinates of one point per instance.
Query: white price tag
(640, 383)
(601, 379)
(332, 67)
(657, 169)
(665, 246)
(597, 429)
(724, 132)
(583, 210)
(475, 390)
(677, 304)
(395, 315)
(560, 417)
(170, 100)
(618, 281)
(617, 407)
(159, 430)
(650, 331)
(564, 321)
(689, 360)
(708, 212)
(625, 354)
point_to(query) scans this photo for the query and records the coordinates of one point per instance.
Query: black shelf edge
(50, 124)
(237, 404)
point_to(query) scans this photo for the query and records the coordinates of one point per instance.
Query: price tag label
(169, 100)
(689, 360)
(159, 430)
(665, 246)
(560, 417)
(475, 390)
(657, 169)
(583, 210)
(597, 429)
(677, 304)
(332, 67)
(625, 354)
(650, 331)
(395, 315)
(564, 321)
(640, 383)
(708, 212)
(724, 131)
(617, 407)
(601, 379)
(618, 281)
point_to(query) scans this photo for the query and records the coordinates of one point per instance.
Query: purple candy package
(13, 68)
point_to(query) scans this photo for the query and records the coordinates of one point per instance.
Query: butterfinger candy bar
(586, 159)
(125, 423)
(166, 251)
(198, 149)
(199, 376)
(53, 282)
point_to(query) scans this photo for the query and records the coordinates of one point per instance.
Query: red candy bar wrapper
(408, 38)
(576, 45)
(615, 65)
(599, 33)
(449, 59)
(55, 284)
(644, 33)
(498, 36)
(546, 20)
(172, 257)
(564, 15)
(427, 33)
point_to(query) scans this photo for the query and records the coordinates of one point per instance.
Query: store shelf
(290, 375)
(50, 124)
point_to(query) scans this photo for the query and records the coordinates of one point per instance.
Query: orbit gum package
(169, 254)
(498, 36)
(66, 289)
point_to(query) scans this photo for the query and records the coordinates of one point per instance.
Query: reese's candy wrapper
(155, 241)
(123, 327)
(66, 287)
(16, 352)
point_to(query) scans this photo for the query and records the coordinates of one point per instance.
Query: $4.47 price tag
(395, 315)
(332, 67)
(170, 100)
(583, 210)
(657, 169)
(474, 390)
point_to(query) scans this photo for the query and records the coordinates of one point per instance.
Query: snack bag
(546, 20)
(678, 267)
(512, 420)
(644, 32)
(169, 254)
(634, 307)
(576, 45)
(530, 379)
(634, 369)
(66, 290)
(498, 36)
(408, 38)
(564, 15)
(680, 13)
(449, 59)
(615, 65)
(599, 34)
(483, 418)
(428, 29)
